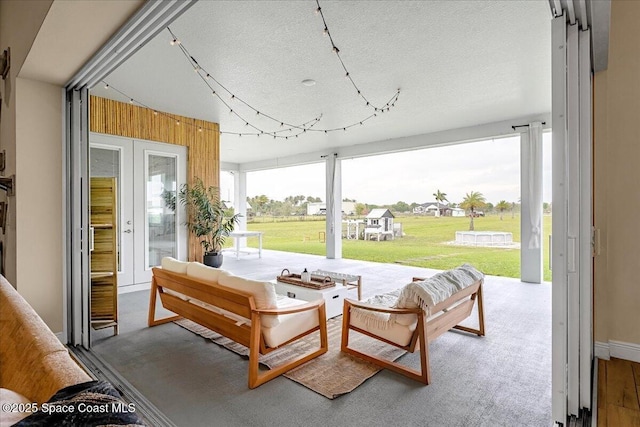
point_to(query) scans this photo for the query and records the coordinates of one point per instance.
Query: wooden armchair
(417, 335)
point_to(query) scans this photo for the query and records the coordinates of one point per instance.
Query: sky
(490, 167)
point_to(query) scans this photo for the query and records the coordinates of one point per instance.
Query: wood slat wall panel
(132, 121)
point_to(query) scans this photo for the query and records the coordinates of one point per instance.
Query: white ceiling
(457, 63)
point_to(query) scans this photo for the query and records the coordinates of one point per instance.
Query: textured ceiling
(457, 63)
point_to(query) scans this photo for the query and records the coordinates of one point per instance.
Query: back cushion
(264, 294)
(203, 272)
(172, 264)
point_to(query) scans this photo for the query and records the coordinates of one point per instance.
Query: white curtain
(535, 184)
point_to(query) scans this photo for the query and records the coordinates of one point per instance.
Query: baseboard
(617, 349)
(625, 350)
(134, 288)
(601, 350)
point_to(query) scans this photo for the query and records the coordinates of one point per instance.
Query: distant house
(456, 212)
(430, 208)
(320, 208)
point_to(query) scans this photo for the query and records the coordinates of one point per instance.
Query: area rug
(332, 374)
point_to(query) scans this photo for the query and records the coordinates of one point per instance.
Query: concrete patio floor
(503, 378)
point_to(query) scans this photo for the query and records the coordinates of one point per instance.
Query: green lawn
(424, 243)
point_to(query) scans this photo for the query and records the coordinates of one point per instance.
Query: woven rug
(331, 374)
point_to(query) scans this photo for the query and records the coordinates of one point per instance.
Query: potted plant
(206, 219)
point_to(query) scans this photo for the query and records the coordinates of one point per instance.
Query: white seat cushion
(394, 332)
(289, 325)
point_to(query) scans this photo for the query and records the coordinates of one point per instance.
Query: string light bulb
(106, 86)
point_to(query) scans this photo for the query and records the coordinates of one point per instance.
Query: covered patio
(503, 378)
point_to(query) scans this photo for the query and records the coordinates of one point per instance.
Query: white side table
(333, 297)
(237, 235)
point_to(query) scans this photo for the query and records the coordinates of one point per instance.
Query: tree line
(473, 202)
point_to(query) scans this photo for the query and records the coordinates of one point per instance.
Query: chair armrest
(379, 309)
(290, 310)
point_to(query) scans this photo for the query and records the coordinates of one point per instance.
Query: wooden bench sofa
(413, 316)
(246, 311)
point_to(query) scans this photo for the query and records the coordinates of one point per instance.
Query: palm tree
(502, 206)
(440, 197)
(473, 201)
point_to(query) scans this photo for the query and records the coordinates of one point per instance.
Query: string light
(335, 49)
(301, 128)
(195, 63)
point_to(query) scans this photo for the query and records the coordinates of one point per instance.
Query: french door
(149, 175)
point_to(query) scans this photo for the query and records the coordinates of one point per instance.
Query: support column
(334, 206)
(531, 198)
(240, 201)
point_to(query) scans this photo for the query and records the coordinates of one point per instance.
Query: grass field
(424, 243)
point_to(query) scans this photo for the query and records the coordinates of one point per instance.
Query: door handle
(127, 231)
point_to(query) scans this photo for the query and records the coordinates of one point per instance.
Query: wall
(201, 138)
(31, 133)
(19, 26)
(39, 202)
(616, 178)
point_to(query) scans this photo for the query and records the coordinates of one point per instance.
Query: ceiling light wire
(206, 76)
(347, 74)
(302, 128)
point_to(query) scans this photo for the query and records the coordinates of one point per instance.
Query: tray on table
(317, 282)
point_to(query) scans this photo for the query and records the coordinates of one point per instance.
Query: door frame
(572, 252)
(133, 173)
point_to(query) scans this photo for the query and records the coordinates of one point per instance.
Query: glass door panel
(113, 157)
(162, 186)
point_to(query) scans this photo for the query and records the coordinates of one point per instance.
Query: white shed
(379, 224)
